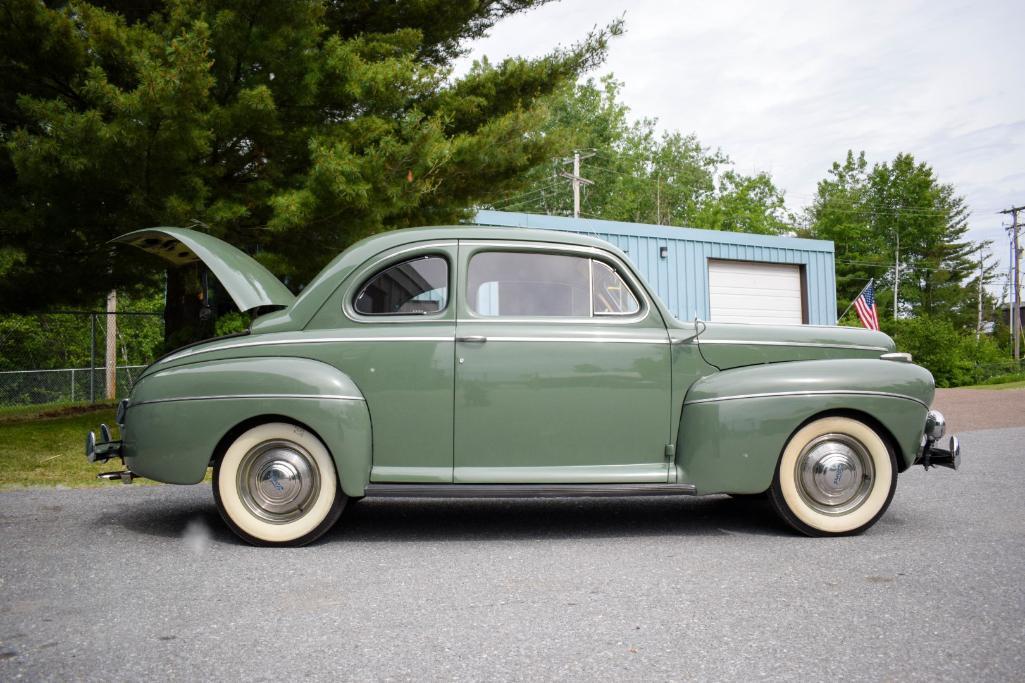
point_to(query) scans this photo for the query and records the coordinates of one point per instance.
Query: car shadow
(440, 520)
(196, 520)
(563, 518)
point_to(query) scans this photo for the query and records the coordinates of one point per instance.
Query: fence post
(110, 358)
(72, 385)
(92, 358)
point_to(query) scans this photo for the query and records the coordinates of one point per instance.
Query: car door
(562, 370)
(391, 328)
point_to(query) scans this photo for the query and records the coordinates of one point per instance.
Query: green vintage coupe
(476, 362)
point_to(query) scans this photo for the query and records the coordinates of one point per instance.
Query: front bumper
(933, 455)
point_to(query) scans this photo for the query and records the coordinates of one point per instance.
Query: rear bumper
(104, 449)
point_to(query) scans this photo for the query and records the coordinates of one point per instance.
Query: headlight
(935, 425)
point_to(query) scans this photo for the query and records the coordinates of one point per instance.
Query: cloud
(789, 86)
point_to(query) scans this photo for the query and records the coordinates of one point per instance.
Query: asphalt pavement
(133, 582)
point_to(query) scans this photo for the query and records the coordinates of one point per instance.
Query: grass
(45, 445)
(1020, 384)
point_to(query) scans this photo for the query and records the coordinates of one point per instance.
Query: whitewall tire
(836, 477)
(276, 485)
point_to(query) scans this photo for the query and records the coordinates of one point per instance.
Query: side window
(611, 295)
(518, 284)
(507, 283)
(415, 287)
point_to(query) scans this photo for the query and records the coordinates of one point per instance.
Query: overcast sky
(788, 87)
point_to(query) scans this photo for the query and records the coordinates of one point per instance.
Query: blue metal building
(714, 275)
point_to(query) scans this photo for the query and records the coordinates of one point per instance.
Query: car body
(474, 361)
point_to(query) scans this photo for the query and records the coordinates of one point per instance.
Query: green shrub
(953, 356)
(1004, 379)
(232, 323)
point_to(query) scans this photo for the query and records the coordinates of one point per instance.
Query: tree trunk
(183, 307)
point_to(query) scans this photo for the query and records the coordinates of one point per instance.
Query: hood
(249, 284)
(730, 345)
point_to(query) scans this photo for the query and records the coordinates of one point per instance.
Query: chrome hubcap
(278, 481)
(834, 474)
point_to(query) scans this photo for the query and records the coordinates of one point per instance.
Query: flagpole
(846, 310)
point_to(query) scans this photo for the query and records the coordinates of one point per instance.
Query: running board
(526, 490)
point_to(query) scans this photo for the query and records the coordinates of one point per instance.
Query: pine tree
(290, 129)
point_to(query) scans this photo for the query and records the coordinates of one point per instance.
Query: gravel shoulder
(976, 409)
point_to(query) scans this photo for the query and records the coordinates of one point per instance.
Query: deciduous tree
(868, 212)
(643, 175)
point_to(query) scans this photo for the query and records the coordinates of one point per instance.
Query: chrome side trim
(554, 320)
(328, 340)
(311, 340)
(322, 397)
(605, 340)
(526, 490)
(898, 357)
(819, 345)
(823, 392)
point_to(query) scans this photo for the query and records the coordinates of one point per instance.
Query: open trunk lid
(248, 283)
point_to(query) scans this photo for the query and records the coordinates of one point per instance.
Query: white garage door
(751, 292)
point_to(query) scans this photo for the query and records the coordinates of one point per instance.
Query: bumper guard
(104, 449)
(936, 456)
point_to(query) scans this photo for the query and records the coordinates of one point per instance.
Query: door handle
(473, 339)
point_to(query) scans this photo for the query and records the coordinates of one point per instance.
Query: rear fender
(178, 419)
(735, 423)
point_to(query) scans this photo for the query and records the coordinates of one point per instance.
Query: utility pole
(982, 273)
(658, 199)
(896, 273)
(577, 180)
(1016, 285)
(896, 264)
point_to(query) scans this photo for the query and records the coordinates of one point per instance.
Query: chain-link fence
(64, 357)
(63, 385)
(1009, 369)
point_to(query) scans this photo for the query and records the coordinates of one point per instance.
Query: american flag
(865, 305)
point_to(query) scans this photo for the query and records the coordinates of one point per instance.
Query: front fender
(735, 423)
(177, 417)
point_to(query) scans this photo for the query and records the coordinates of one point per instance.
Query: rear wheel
(836, 477)
(276, 485)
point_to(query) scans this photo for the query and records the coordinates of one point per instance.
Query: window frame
(591, 254)
(611, 314)
(363, 275)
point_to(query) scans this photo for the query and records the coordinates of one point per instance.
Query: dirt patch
(50, 413)
(967, 410)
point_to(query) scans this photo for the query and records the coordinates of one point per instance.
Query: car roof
(385, 240)
(335, 272)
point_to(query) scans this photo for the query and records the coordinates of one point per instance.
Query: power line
(519, 198)
(515, 197)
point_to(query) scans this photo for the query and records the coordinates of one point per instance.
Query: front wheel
(836, 477)
(276, 485)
